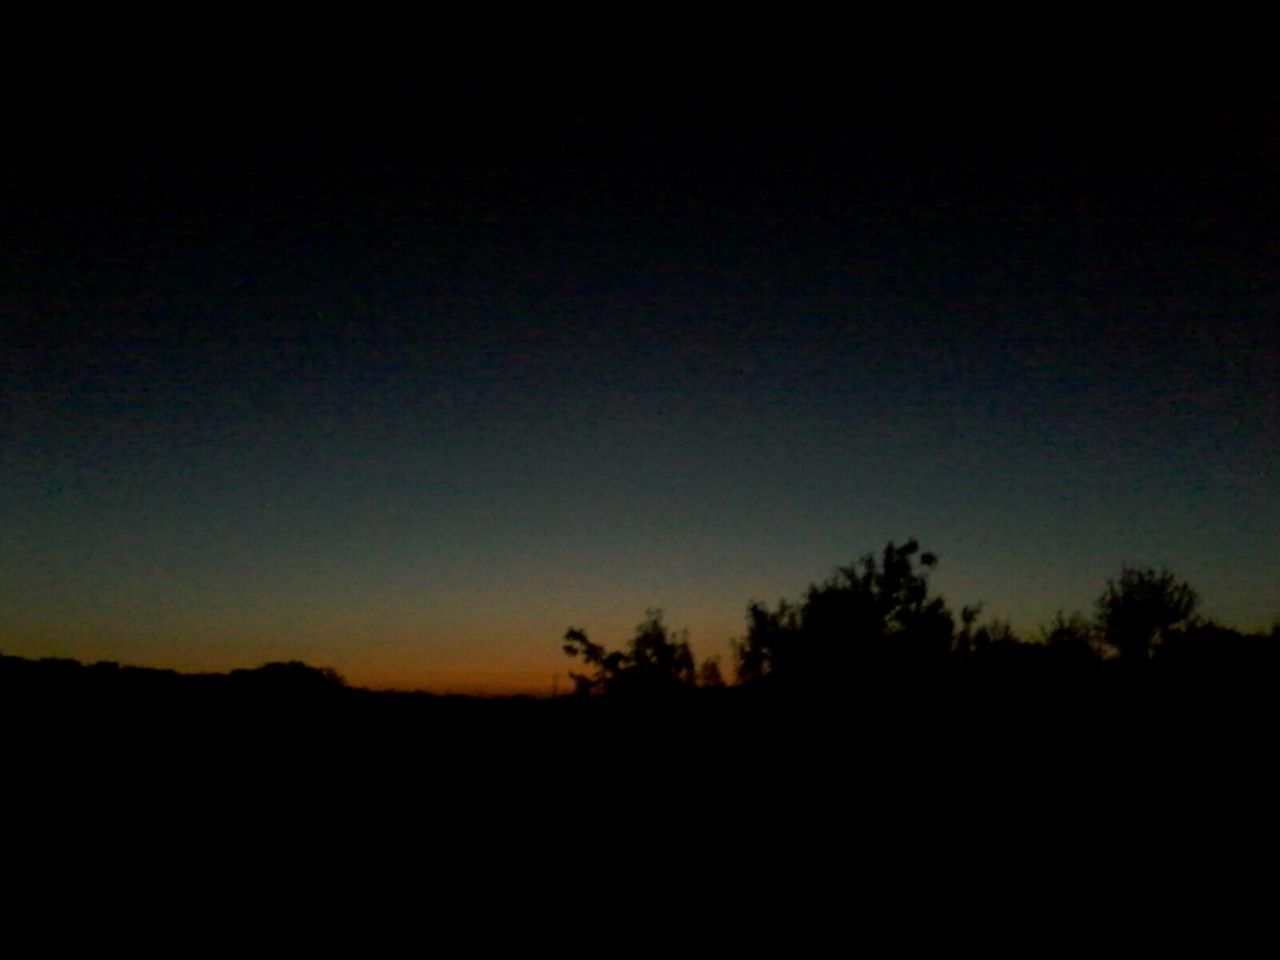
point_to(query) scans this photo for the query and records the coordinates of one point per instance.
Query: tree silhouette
(656, 662)
(1140, 611)
(874, 610)
(709, 673)
(1071, 640)
(605, 664)
(772, 644)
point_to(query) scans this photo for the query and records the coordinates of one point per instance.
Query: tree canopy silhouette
(877, 621)
(656, 662)
(1141, 611)
(875, 609)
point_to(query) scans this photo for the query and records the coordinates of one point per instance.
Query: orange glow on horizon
(498, 680)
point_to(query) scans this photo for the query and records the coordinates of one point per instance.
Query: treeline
(873, 623)
(877, 620)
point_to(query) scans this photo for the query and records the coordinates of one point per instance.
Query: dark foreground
(958, 731)
(902, 804)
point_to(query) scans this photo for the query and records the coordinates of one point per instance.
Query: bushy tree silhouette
(772, 644)
(1143, 609)
(1071, 639)
(656, 661)
(874, 610)
(709, 673)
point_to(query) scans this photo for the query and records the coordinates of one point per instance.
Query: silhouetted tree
(875, 610)
(605, 665)
(969, 639)
(1139, 612)
(709, 673)
(657, 661)
(1070, 639)
(1063, 629)
(995, 633)
(772, 641)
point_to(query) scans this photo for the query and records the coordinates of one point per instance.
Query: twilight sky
(406, 383)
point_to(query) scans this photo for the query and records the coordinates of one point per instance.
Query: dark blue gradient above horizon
(407, 393)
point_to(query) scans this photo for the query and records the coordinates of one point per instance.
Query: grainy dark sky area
(405, 380)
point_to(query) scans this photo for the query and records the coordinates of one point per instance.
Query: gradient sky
(406, 384)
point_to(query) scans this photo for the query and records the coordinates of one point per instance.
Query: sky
(406, 383)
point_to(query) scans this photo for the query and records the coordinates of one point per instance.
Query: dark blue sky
(407, 383)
